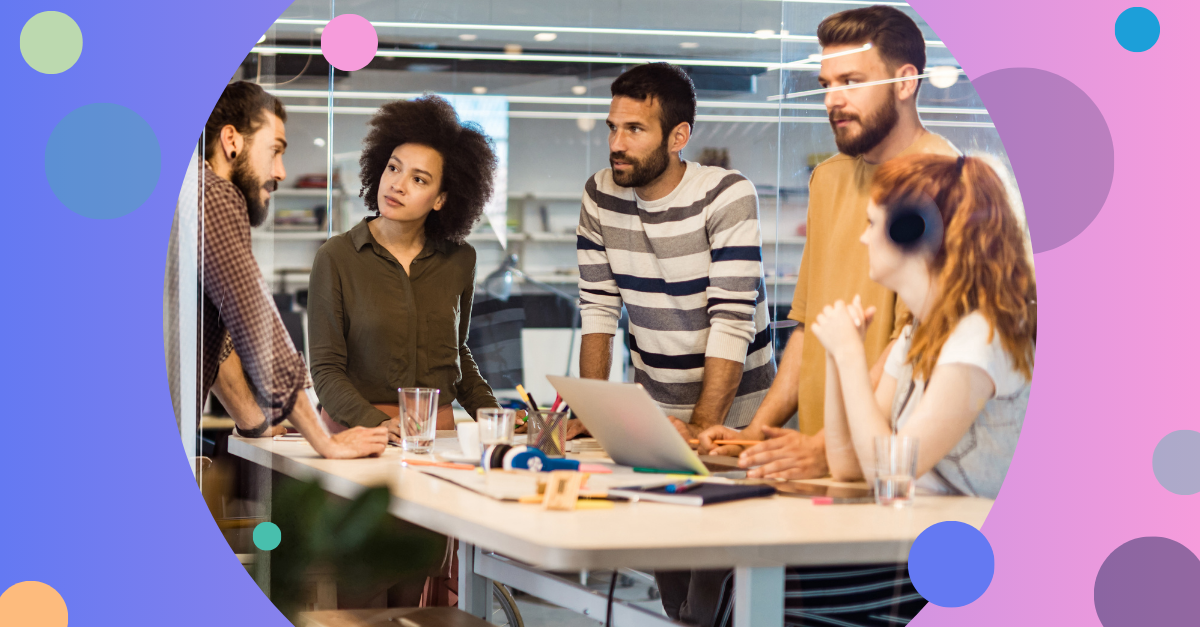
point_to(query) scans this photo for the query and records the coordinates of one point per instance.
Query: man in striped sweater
(678, 244)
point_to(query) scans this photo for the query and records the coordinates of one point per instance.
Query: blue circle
(267, 536)
(1177, 462)
(951, 564)
(1137, 29)
(102, 161)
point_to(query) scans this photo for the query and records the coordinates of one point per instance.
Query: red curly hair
(982, 264)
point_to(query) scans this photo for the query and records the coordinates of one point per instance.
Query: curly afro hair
(468, 162)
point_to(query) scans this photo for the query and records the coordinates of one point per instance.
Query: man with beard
(678, 244)
(871, 125)
(242, 336)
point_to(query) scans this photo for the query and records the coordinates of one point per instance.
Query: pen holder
(548, 431)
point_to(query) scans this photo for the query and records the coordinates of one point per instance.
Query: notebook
(705, 494)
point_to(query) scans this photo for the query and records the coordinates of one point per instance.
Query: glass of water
(895, 470)
(418, 418)
(496, 426)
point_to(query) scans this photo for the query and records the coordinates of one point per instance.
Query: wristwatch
(255, 432)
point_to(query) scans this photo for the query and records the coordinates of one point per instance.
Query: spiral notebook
(705, 494)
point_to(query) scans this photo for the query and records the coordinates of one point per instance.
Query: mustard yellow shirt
(834, 266)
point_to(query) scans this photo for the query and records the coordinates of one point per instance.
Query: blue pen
(679, 488)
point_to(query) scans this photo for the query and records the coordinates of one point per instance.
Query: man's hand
(688, 431)
(356, 442)
(787, 454)
(576, 429)
(719, 432)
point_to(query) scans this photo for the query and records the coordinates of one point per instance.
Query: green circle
(51, 42)
(267, 536)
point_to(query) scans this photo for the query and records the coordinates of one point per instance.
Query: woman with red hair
(942, 234)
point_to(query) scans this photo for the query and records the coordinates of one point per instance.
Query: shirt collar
(361, 236)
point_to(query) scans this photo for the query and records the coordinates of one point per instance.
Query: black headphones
(915, 225)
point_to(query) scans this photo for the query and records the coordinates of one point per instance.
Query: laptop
(633, 429)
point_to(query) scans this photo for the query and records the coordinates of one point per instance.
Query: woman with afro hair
(390, 300)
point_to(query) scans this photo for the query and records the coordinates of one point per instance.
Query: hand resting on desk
(788, 454)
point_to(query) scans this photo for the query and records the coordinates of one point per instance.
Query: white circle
(468, 37)
(545, 37)
(689, 45)
(579, 90)
(479, 90)
(585, 124)
(943, 76)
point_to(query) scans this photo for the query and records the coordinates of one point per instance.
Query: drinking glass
(418, 418)
(548, 432)
(895, 470)
(496, 426)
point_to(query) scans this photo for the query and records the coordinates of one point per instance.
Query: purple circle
(349, 42)
(1063, 163)
(1148, 581)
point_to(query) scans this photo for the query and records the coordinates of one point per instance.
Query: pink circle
(349, 42)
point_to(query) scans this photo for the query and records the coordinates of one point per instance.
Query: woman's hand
(841, 327)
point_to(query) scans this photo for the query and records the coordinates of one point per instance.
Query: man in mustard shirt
(871, 124)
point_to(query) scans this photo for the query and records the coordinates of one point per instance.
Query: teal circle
(1137, 29)
(267, 536)
(102, 188)
(51, 42)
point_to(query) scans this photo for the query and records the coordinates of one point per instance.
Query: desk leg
(474, 592)
(758, 597)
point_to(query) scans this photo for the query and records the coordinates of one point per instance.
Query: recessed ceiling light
(689, 45)
(512, 49)
(579, 90)
(263, 38)
(479, 90)
(585, 124)
(468, 36)
(318, 30)
(319, 142)
(943, 76)
(545, 37)
(764, 33)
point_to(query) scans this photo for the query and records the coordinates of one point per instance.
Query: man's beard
(251, 187)
(642, 171)
(875, 128)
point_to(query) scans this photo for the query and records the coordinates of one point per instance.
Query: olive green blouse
(373, 328)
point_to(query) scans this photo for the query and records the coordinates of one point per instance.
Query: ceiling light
(689, 45)
(479, 91)
(319, 142)
(764, 33)
(585, 124)
(318, 30)
(943, 76)
(468, 37)
(263, 38)
(545, 37)
(579, 90)
(512, 49)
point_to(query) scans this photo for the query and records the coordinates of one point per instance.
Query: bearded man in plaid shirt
(246, 356)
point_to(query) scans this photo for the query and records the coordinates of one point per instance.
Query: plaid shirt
(237, 310)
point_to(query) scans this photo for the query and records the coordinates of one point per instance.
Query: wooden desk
(509, 542)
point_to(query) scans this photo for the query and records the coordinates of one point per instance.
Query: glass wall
(536, 75)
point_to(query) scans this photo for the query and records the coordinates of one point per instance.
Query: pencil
(731, 442)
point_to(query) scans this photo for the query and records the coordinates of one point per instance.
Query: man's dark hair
(242, 105)
(666, 83)
(888, 30)
(468, 163)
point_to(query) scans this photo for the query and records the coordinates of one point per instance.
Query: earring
(232, 155)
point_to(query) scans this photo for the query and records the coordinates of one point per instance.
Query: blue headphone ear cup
(915, 225)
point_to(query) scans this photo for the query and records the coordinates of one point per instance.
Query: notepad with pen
(703, 494)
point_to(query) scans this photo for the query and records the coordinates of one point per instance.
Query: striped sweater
(688, 269)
